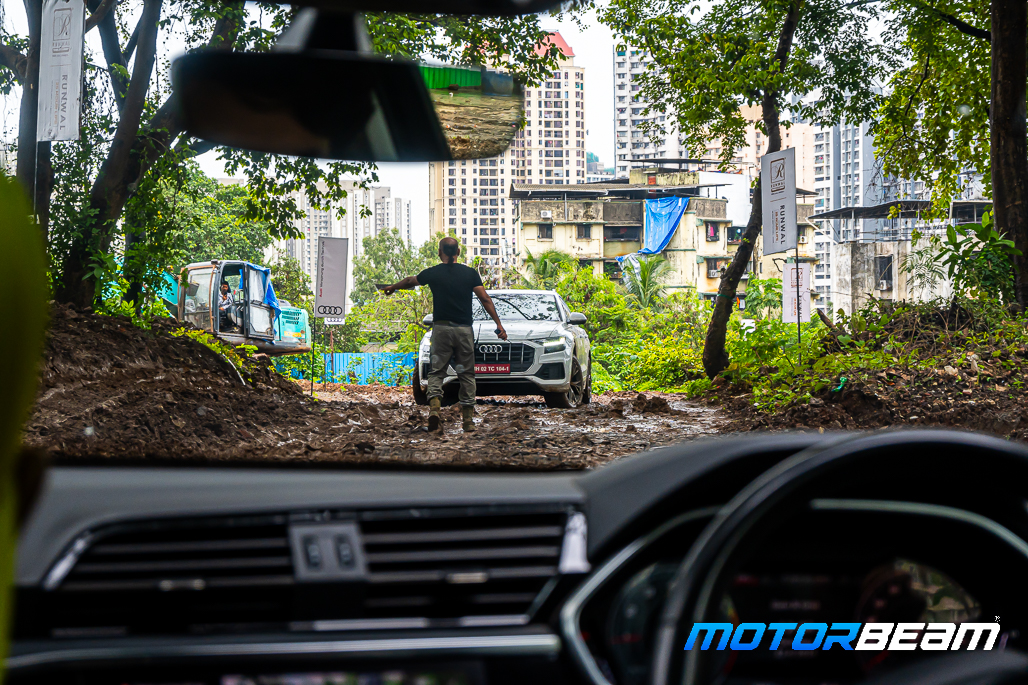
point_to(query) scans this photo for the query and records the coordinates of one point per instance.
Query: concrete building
(597, 223)
(328, 223)
(632, 144)
(468, 198)
(392, 212)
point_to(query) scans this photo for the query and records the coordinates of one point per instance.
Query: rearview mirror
(335, 104)
(577, 319)
(427, 321)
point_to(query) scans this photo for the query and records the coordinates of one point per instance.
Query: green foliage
(98, 192)
(235, 355)
(543, 271)
(645, 278)
(763, 297)
(933, 123)
(707, 62)
(387, 258)
(298, 366)
(979, 260)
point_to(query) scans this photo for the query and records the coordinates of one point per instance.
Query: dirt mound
(112, 391)
(989, 401)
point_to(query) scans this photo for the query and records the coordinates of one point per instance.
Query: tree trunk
(44, 187)
(26, 169)
(1008, 132)
(134, 267)
(118, 174)
(715, 356)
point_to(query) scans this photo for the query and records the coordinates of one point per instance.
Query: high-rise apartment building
(631, 141)
(316, 223)
(468, 198)
(392, 212)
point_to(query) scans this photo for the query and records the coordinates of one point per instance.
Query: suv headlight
(555, 345)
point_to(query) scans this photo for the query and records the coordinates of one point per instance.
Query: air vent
(413, 568)
(184, 556)
(475, 567)
(167, 577)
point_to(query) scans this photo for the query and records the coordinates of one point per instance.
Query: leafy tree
(387, 258)
(645, 278)
(291, 282)
(957, 109)
(133, 133)
(220, 229)
(706, 65)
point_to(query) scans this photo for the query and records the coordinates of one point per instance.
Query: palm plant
(544, 270)
(644, 279)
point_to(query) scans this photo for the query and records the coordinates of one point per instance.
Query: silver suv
(546, 352)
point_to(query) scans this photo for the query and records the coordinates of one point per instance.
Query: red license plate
(492, 368)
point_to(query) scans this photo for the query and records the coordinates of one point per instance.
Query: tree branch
(959, 25)
(99, 13)
(108, 28)
(108, 193)
(130, 46)
(15, 61)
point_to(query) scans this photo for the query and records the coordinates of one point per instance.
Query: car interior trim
(922, 509)
(571, 612)
(546, 644)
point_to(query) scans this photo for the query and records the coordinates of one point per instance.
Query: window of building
(713, 231)
(545, 232)
(585, 232)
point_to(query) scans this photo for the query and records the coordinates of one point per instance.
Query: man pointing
(452, 285)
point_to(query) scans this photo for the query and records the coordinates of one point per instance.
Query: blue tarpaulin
(269, 290)
(661, 220)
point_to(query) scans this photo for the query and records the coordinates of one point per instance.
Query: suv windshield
(520, 308)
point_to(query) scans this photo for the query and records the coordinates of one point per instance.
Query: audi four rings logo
(330, 310)
(490, 349)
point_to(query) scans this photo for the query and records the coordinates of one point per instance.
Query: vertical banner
(778, 196)
(330, 288)
(60, 70)
(796, 293)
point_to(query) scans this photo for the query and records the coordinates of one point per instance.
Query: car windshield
(534, 307)
(625, 258)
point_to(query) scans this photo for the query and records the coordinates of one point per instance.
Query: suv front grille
(519, 355)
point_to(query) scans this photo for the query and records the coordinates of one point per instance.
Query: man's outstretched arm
(406, 284)
(487, 302)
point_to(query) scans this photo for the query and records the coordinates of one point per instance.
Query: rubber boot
(434, 407)
(467, 413)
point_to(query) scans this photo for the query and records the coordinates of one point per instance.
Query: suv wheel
(575, 396)
(420, 395)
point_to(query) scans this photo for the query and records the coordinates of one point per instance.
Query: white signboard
(778, 194)
(330, 288)
(794, 302)
(60, 70)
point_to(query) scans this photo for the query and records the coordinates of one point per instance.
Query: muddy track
(110, 391)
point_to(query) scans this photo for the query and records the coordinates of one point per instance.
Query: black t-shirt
(452, 286)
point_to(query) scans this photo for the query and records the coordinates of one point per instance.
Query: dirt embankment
(983, 397)
(111, 391)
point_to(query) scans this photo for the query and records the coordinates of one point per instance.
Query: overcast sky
(592, 46)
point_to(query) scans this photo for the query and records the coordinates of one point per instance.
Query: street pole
(314, 346)
(799, 306)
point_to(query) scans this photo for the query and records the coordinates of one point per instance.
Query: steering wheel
(944, 464)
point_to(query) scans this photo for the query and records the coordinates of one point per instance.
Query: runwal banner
(330, 288)
(778, 196)
(60, 70)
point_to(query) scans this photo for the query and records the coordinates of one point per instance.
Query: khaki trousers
(458, 343)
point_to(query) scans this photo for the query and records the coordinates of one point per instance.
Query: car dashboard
(168, 576)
